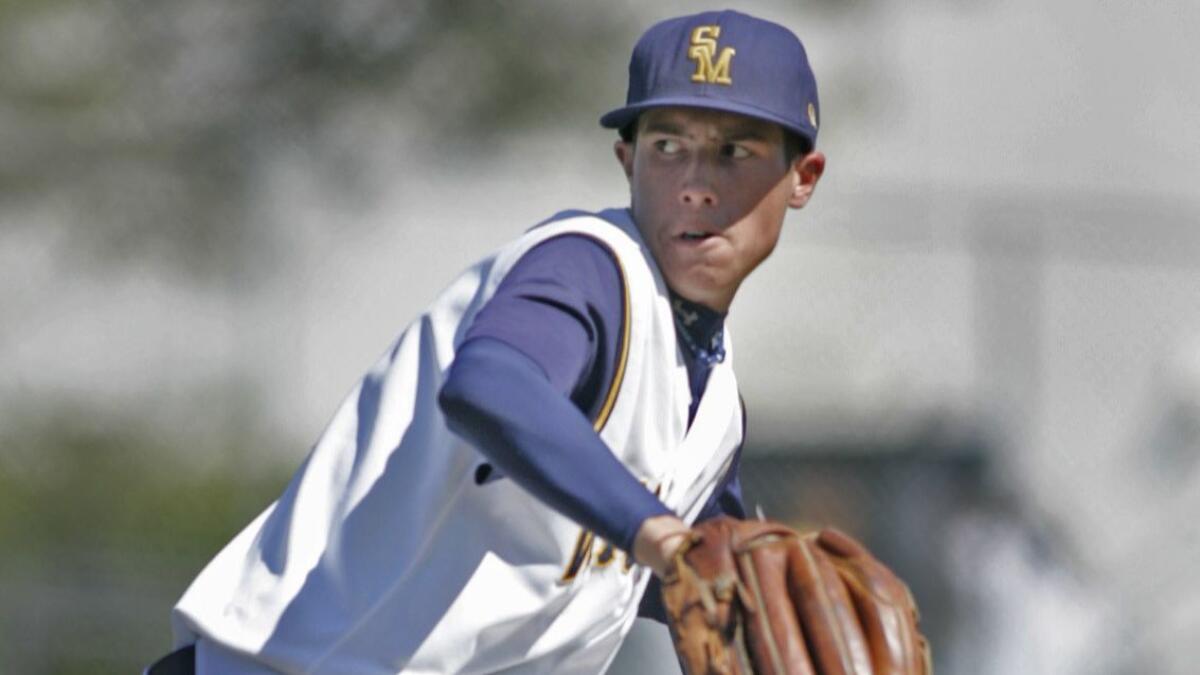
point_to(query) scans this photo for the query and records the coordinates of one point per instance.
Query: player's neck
(700, 328)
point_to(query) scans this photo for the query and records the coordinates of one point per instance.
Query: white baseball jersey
(384, 555)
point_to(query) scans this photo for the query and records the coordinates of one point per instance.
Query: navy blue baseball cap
(724, 61)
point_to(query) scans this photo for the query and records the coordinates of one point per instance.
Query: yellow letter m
(702, 50)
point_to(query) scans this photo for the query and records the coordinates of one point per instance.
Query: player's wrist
(657, 540)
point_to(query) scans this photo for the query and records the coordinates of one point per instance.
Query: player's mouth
(695, 236)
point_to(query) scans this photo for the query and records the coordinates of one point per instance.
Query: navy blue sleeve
(532, 372)
(502, 403)
(562, 306)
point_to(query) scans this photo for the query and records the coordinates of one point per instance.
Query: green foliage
(152, 125)
(102, 529)
(93, 488)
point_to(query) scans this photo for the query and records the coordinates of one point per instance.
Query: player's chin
(704, 284)
(713, 252)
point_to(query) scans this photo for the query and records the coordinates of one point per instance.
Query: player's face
(709, 193)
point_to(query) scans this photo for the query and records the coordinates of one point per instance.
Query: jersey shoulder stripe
(610, 400)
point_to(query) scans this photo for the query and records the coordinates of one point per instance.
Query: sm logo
(710, 67)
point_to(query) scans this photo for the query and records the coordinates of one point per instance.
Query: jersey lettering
(582, 553)
(604, 556)
(598, 555)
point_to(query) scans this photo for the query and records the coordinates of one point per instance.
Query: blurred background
(978, 349)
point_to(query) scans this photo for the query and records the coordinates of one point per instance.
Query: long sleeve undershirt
(533, 370)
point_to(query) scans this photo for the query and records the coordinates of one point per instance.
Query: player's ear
(806, 172)
(624, 152)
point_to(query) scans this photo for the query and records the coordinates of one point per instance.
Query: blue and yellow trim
(610, 399)
(584, 550)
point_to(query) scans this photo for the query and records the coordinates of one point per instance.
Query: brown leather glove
(759, 597)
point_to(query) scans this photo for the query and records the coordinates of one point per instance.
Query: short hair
(794, 145)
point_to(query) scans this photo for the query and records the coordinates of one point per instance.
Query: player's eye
(735, 151)
(668, 146)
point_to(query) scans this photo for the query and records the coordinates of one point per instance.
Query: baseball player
(499, 491)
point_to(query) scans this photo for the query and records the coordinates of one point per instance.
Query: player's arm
(537, 356)
(502, 403)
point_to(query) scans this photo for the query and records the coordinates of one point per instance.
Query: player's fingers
(884, 605)
(827, 612)
(772, 630)
(705, 590)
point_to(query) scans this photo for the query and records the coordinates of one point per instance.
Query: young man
(500, 489)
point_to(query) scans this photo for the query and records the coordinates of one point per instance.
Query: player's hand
(657, 540)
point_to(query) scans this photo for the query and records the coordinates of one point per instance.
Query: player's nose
(698, 188)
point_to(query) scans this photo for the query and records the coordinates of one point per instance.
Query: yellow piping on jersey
(584, 544)
(611, 399)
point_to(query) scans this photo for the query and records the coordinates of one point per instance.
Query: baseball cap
(724, 61)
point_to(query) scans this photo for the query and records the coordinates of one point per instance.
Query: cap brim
(619, 118)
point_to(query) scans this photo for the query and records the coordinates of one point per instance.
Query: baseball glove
(759, 597)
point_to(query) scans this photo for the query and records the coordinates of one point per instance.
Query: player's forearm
(501, 402)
